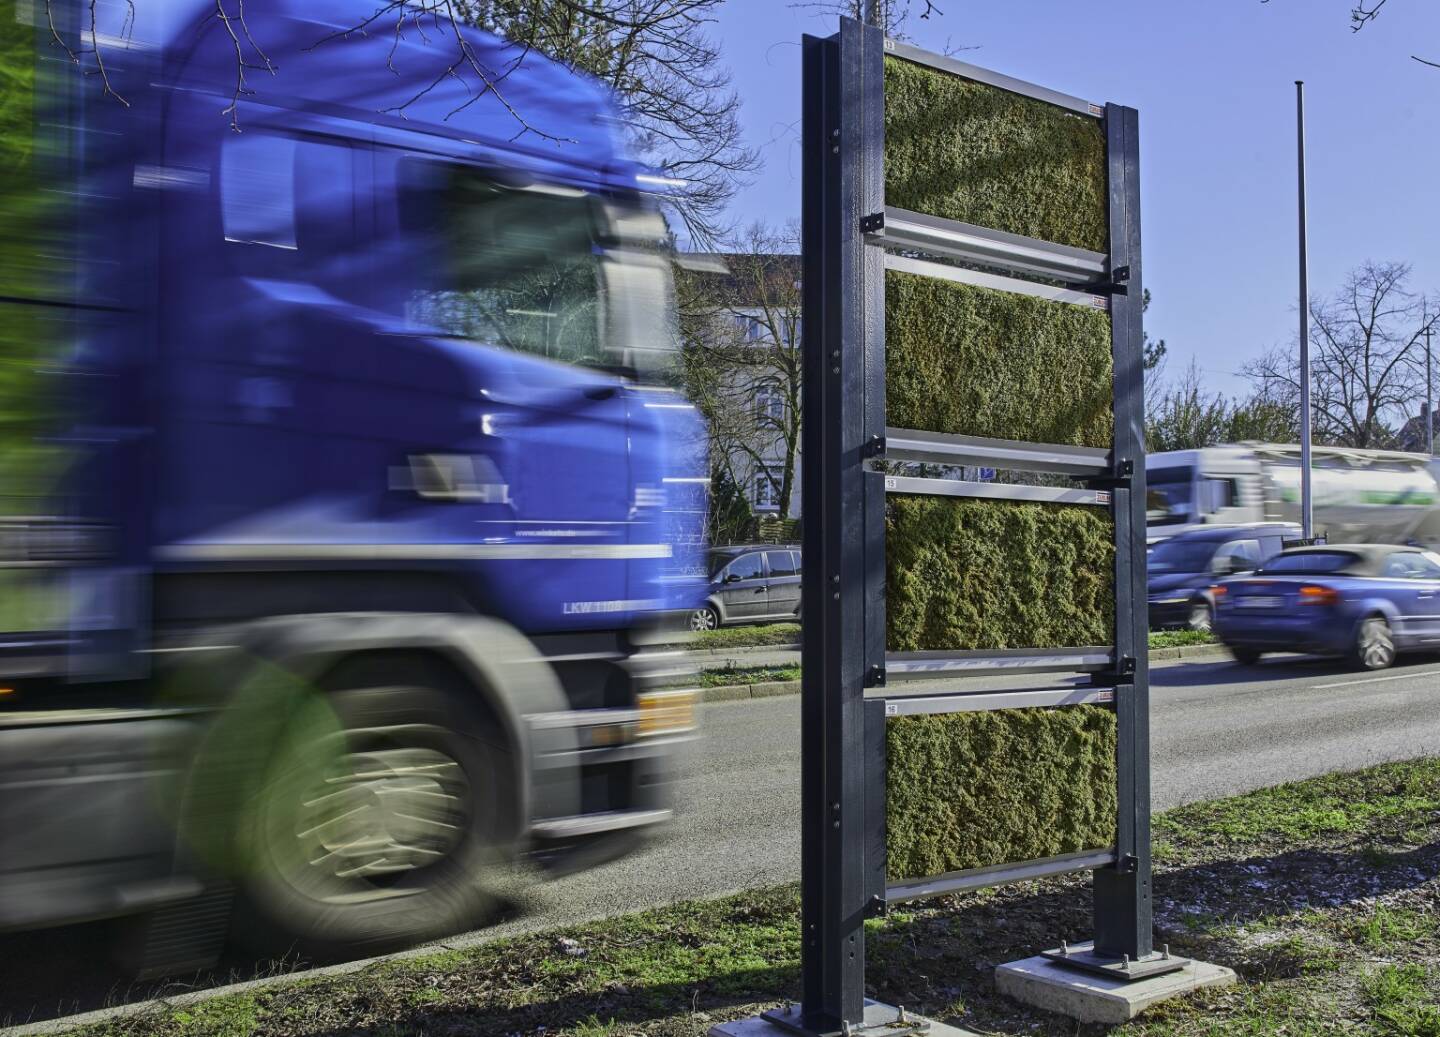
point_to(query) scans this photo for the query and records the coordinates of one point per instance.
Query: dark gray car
(756, 583)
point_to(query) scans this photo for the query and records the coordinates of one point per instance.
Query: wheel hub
(384, 812)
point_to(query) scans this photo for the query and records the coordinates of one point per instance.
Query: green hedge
(980, 362)
(977, 574)
(970, 790)
(967, 151)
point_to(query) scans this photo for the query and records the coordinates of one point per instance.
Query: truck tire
(385, 808)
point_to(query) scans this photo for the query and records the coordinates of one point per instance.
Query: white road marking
(1376, 680)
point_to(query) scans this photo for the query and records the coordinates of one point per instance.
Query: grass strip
(1331, 930)
(753, 636)
(727, 676)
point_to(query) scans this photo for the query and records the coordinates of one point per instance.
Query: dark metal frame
(849, 240)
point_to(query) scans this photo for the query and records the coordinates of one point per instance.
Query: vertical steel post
(1307, 507)
(1122, 891)
(841, 183)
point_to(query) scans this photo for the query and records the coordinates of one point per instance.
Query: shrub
(976, 574)
(966, 151)
(970, 790)
(980, 362)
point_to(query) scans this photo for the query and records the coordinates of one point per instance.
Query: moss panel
(971, 790)
(979, 362)
(979, 574)
(967, 151)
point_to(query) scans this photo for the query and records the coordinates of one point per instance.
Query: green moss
(971, 152)
(980, 362)
(968, 790)
(976, 574)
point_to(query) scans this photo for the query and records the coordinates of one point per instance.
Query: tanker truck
(1366, 496)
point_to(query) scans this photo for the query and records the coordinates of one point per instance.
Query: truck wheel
(704, 618)
(1374, 647)
(383, 811)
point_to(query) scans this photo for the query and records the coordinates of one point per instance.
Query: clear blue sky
(1214, 83)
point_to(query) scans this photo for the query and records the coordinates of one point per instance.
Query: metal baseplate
(1084, 957)
(879, 1019)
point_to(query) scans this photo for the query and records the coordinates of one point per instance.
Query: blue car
(1363, 602)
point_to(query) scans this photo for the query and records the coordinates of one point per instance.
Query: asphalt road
(1217, 729)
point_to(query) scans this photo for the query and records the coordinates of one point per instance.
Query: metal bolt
(1065, 948)
(1125, 962)
(901, 1017)
(1165, 951)
(835, 150)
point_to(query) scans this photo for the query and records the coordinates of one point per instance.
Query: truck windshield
(1169, 496)
(539, 269)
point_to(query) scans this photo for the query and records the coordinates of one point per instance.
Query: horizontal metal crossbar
(1012, 252)
(964, 275)
(914, 666)
(992, 78)
(904, 444)
(924, 705)
(978, 878)
(1001, 491)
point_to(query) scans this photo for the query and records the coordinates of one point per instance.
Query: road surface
(1217, 729)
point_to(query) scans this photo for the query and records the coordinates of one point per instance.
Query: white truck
(1360, 496)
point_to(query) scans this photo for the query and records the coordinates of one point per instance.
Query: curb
(737, 692)
(1215, 651)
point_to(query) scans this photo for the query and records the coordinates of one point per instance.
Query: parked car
(1184, 568)
(1366, 602)
(751, 583)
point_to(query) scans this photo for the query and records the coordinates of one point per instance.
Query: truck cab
(354, 512)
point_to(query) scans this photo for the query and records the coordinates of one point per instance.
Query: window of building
(767, 488)
(769, 403)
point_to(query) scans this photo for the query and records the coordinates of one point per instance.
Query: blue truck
(329, 581)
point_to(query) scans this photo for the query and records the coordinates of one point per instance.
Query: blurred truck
(1360, 496)
(334, 477)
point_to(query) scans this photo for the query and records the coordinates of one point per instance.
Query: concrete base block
(879, 1021)
(1053, 987)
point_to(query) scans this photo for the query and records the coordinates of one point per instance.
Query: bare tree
(1187, 416)
(666, 68)
(742, 357)
(892, 16)
(657, 55)
(1366, 355)
(1362, 15)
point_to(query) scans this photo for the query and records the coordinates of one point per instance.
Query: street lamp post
(1307, 512)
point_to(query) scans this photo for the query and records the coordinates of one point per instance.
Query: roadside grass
(1331, 805)
(754, 636)
(765, 635)
(727, 676)
(1275, 884)
(1180, 638)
